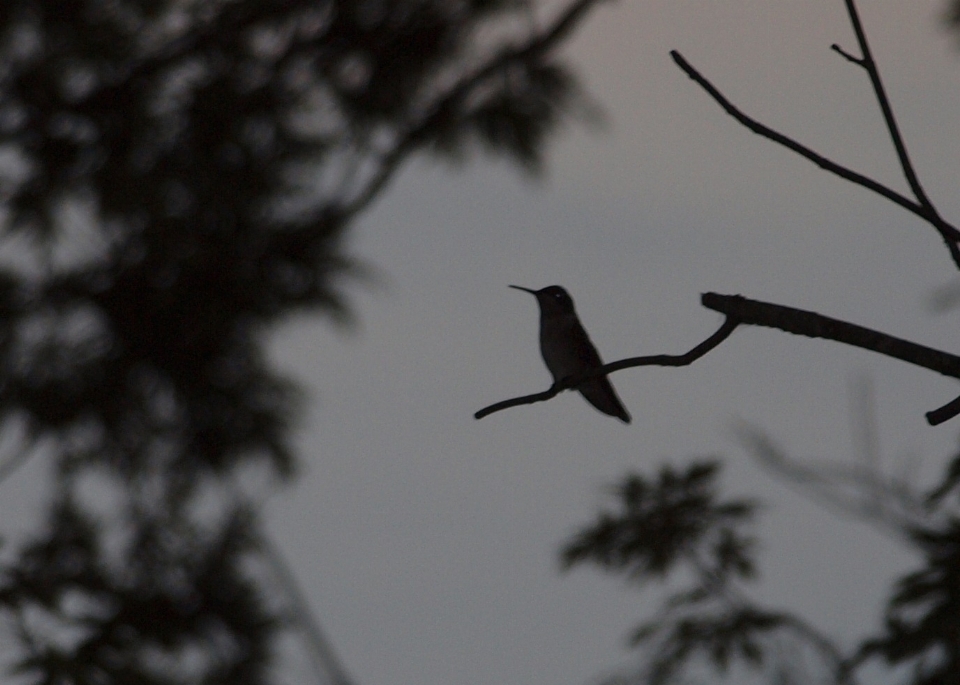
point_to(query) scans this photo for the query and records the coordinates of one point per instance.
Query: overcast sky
(427, 541)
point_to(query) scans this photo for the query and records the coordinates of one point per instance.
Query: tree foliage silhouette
(177, 178)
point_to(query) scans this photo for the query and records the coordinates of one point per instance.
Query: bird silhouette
(567, 350)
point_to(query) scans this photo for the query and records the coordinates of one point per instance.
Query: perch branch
(685, 359)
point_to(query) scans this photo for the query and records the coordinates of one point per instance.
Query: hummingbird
(567, 350)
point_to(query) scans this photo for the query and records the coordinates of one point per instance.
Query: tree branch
(867, 62)
(685, 359)
(791, 144)
(813, 325)
(920, 207)
(944, 413)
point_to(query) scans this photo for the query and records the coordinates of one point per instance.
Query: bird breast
(565, 347)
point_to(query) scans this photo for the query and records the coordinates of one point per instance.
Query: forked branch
(920, 204)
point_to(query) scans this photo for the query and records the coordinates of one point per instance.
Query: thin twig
(685, 359)
(846, 55)
(791, 144)
(947, 231)
(870, 65)
(864, 494)
(321, 649)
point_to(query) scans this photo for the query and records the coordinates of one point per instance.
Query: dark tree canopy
(176, 178)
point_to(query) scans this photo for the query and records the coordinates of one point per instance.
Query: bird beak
(526, 290)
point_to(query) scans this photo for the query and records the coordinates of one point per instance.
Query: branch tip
(859, 61)
(944, 413)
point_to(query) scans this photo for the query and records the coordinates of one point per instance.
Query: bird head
(553, 299)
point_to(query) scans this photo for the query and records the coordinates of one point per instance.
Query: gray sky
(427, 541)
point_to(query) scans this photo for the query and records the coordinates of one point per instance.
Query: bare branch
(920, 207)
(813, 325)
(685, 359)
(791, 144)
(871, 66)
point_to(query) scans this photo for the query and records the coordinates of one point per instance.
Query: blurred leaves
(922, 626)
(174, 607)
(923, 615)
(187, 172)
(177, 178)
(676, 527)
(659, 524)
(675, 531)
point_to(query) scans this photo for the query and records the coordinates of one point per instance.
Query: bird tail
(600, 394)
